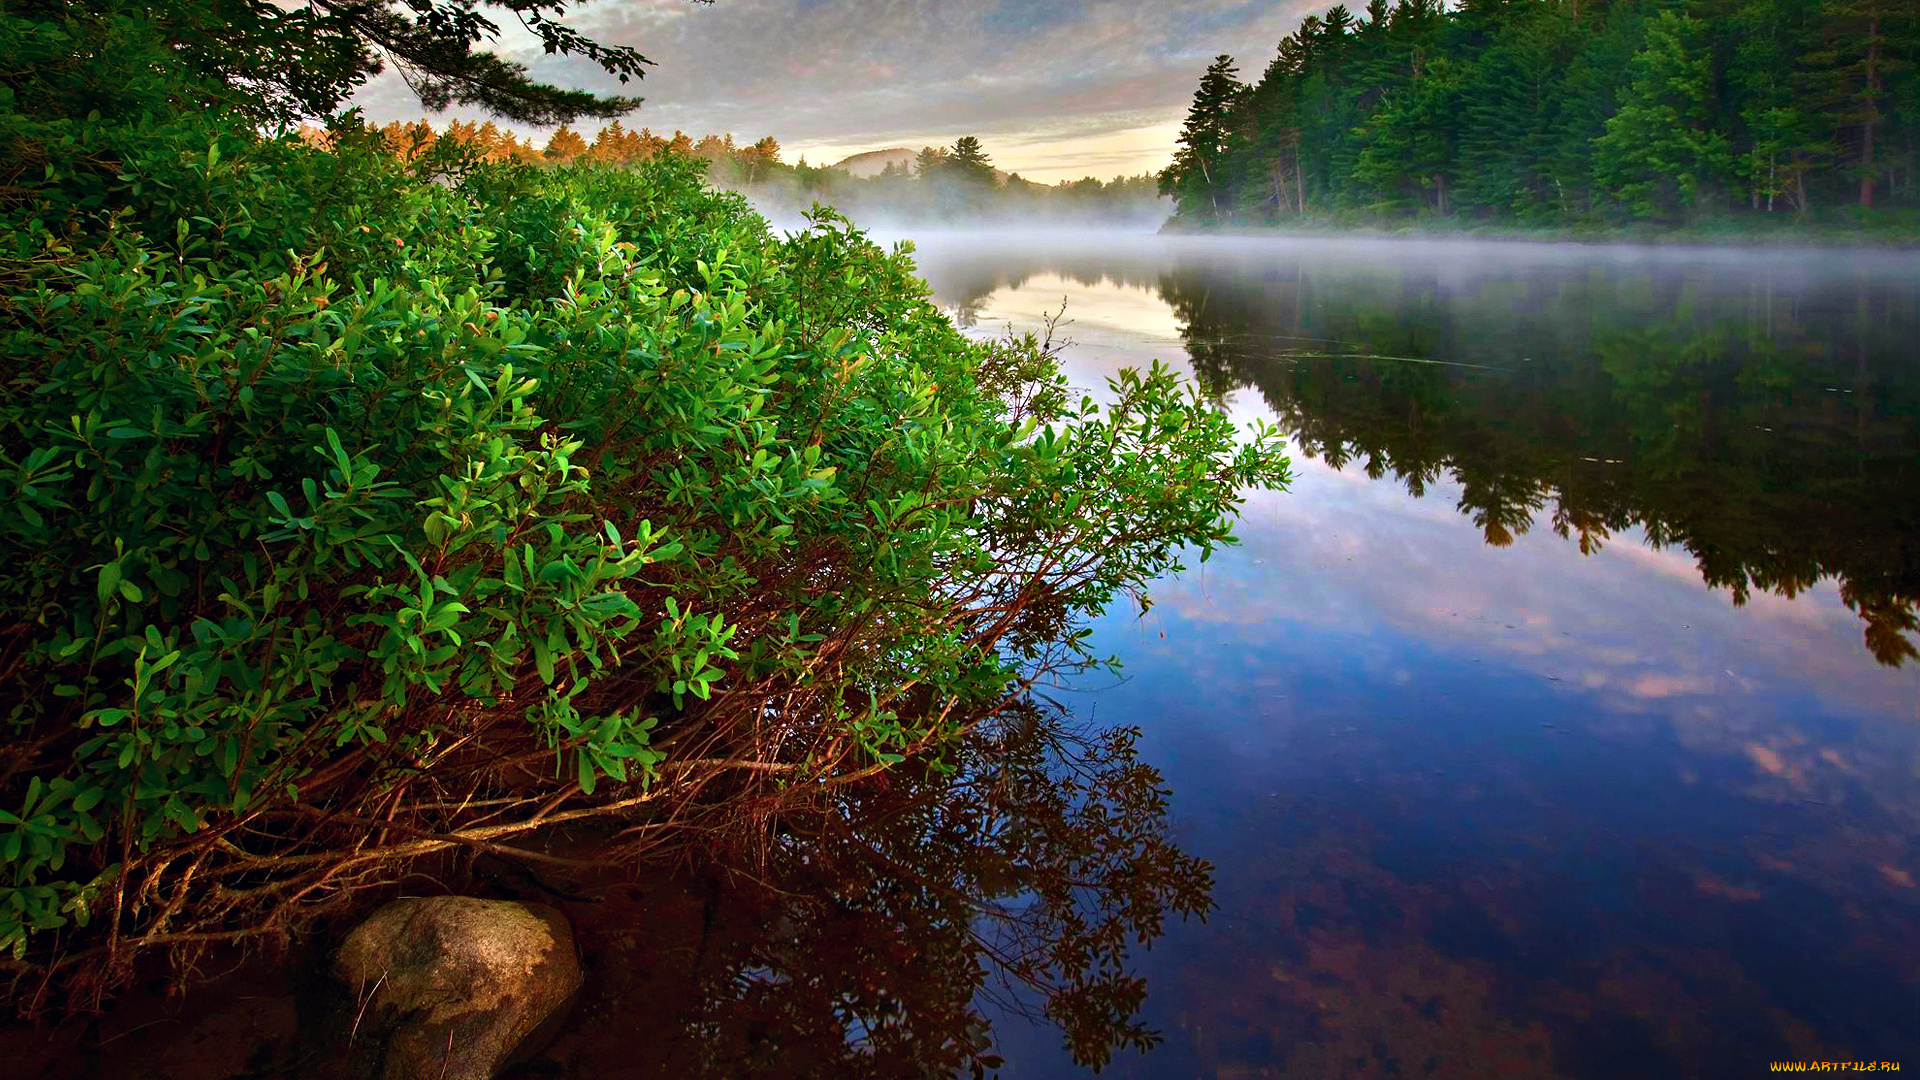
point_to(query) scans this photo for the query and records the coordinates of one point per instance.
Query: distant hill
(873, 162)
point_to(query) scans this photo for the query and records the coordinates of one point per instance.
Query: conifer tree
(493, 144)
(968, 162)
(611, 145)
(1660, 152)
(1408, 147)
(1203, 141)
(1587, 96)
(1851, 70)
(1508, 105)
(760, 157)
(1331, 49)
(1779, 139)
(565, 145)
(928, 162)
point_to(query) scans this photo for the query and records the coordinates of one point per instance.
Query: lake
(1563, 719)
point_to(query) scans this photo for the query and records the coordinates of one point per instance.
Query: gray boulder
(448, 986)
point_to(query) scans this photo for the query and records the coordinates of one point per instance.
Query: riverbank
(1898, 231)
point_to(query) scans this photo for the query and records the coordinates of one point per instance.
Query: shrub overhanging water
(358, 511)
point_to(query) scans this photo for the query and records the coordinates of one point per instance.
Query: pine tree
(611, 145)
(1850, 76)
(1264, 150)
(565, 145)
(1660, 153)
(1408, 146)
(461, 133)
(492, 143)
(761, 157)
(1376, 67)
(928, 163)
(1336, 28)
(1588, 94)
(1548, 110)
(1508, 104)
(968, 162)
(1778, 137)
(1203, 139)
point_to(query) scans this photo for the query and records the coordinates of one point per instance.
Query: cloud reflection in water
(1504, 809)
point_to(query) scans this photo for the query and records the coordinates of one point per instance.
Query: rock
(450, 985)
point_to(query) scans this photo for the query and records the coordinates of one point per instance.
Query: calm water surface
(1563, 720)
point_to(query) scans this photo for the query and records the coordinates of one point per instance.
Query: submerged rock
(448, 986)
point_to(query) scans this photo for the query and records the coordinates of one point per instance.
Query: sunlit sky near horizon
(1054, 89)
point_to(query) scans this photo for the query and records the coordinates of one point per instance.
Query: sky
(1054, 89)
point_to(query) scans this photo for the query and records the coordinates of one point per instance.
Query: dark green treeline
(1548, 112)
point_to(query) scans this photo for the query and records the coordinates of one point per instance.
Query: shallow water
(1563, 720)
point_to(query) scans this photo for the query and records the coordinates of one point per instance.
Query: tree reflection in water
(1757, 410)
(872, 939)
(1770, 436)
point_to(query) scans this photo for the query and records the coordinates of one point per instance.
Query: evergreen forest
(1565, 112)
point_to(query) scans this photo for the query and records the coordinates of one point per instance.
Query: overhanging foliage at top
(279, 63)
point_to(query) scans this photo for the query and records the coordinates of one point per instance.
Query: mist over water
(1143, 255)
(1005, 212)
(1564, 718)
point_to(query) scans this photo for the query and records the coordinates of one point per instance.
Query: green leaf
(543, 660)
(109, 580)
(340, 455)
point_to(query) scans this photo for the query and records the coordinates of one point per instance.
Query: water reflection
(1497, 779)
(1770, 436)
(868, 939)
(1761, 414)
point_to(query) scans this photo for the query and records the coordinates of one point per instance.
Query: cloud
(1041, 82)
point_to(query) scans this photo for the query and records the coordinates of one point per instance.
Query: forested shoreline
(1564, 113)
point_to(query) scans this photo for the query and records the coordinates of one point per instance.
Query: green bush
(358, 511)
